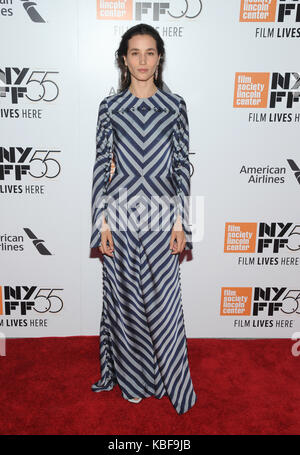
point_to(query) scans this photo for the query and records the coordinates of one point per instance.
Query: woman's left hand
(178, 241)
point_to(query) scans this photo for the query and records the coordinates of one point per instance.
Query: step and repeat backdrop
(235, 63)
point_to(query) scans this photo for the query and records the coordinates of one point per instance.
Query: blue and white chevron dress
(142, 333)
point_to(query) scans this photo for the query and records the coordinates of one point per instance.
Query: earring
(125, 75)
(156, 73)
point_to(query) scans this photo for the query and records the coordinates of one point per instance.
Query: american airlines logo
(38, 243)
(295, 169)
(7, 9)
(14, 243)
(30, 8)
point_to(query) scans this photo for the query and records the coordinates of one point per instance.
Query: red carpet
(243, 387)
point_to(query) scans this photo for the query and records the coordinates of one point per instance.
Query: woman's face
(142, 57)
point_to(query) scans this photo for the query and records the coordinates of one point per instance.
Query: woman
(143, 131)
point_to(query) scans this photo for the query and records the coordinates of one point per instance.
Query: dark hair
(140, 29)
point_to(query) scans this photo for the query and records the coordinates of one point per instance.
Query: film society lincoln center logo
(266, 90)
(261, 237)
(127, 10)
(261, 301)
(269, 10)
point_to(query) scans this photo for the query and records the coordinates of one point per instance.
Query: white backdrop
(242, 277)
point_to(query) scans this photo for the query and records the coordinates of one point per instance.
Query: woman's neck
(142, 91)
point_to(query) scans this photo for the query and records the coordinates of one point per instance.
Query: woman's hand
(178, 241)
(106, 236)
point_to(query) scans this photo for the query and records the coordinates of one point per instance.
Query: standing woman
(143, 131)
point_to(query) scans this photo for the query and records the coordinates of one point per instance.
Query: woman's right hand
(106, 236)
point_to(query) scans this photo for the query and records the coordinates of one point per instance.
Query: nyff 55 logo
(23, 299)
(21, 161)
(17, 83)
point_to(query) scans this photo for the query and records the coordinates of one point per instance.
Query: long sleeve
(181, 168)
(101, 171)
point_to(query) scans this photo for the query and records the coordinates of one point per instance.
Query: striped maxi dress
(143, 345)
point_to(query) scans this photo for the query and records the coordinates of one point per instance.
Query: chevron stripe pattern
(143, 345)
